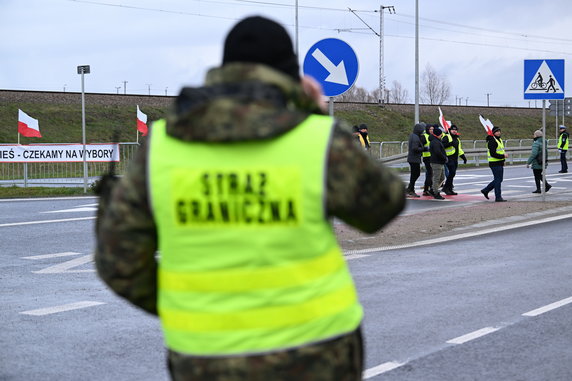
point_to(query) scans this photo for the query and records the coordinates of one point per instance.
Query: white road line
(74, 210)
(62, 308)
(548, 307)
(377, 370)
(473, 335)
(48, 256)
(46, 221)
(495, 229)
(66, 266)
(49, 199)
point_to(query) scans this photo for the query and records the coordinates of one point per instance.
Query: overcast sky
(479, 46)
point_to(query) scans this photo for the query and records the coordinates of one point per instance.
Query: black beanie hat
(260, 40)
(453, 127)
(495, 129)
(437, 131)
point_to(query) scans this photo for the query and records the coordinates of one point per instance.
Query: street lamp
(83, 69)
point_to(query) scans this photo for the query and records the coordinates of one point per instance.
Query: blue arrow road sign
(543, 79)
(334, 64)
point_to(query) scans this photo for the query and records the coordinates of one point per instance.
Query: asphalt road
(60, 322)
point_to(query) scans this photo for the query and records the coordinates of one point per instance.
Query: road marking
(49, 199)
(433, 241)
(62, 308)
(66, 266)
(548, 307)
(48, 256)
(46, 221)
(377, 370)
(473, 335)
(74, 210)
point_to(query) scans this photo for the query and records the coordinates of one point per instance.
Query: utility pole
(296, 44)
(488, 98)
(117, 88)
(65, 88)
(166, 90)
(466, 101)
(391, 10)
(416, 61)
(148, 88)
(124, 87)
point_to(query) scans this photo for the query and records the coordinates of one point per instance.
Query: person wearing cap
(535, 161)
(454, 150)
(438, 160)
(364, 136)
(563, 148)
(496, 157)
(426, 157)
(414, 152)
(251, 283)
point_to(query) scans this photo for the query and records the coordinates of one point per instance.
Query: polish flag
(141, 122)
(487, 124)
(28, 126)
(444, 123)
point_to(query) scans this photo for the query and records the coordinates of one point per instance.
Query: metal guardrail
(62, 174)
(478, 156)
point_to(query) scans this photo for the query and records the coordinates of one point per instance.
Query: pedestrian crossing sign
(543, 79)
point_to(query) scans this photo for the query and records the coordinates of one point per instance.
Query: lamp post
(83, 69)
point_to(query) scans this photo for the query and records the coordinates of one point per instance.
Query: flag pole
(137, 132)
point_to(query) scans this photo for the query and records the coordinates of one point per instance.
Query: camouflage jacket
(238, 102)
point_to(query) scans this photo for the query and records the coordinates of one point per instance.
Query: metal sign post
(83, 69)
(544, 79)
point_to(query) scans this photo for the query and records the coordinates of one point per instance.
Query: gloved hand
(464, 160)
(527, 165)
(559, 150)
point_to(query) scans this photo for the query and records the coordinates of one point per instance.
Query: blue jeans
(498, 171)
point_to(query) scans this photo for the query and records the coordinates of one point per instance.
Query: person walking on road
(535, 161)
(426, 157)
(496, 157)
(251, 283)
(454, 151)
(563, 139)
(438, 160)
(414, 152)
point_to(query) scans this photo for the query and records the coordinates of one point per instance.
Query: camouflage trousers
(340, 359)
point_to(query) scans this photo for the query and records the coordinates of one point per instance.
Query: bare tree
(398, 94)
(356, 94)
(435, 88)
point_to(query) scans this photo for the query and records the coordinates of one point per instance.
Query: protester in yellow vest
(236, 190)
(563, 140)
(496, 157)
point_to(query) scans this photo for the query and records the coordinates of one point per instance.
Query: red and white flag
(487, 124)
(444, 123)
(28, 126)
(142, 122)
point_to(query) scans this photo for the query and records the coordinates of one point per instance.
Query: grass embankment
(30, 192)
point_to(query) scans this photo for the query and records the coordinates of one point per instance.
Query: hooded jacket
(415, 145)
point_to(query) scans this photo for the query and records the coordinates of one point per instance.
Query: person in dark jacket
(438, 160)
(364, 135)
(496, 158)
(253, 107)
(425, 140)
(454, 152)
(415, 150)
(536, 165)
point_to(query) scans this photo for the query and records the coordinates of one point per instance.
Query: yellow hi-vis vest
(449, 150)
(500, 151)
(461, 152)
(565, 147)
(249, 263)
(426, 153)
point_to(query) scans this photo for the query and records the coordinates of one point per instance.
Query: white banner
(54, 153)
